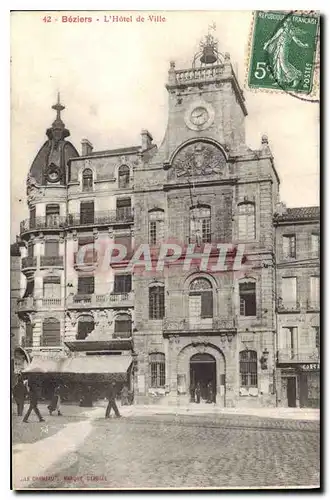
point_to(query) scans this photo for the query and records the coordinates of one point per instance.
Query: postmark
(283, 54)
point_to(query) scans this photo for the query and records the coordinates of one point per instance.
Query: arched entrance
(203, 371)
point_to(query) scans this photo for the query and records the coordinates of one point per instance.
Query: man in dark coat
(33, 396)
(112, 401)
(198, 392)
(19, 393)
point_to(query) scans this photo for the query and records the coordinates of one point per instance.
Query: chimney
(146, 139)
(86, 147)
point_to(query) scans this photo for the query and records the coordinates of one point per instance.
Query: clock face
(199, 116)
(53, 174)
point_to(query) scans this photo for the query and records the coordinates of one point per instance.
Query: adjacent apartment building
(162, 330)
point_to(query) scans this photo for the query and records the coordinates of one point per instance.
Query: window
(289, 292)
(123, 177)
(123, 283)
(87, 212)
(248, 368)
(85, 285)
(52, 215)
(123, 326)
(123, 208)
(51, 248)
(89, 254)
(156, 302)
(246, 221)
(156, 226)
(314, 290)
(157, 370)
(51, 333)
(315, 245)
(28, 341)
(200, 299)
(289, 246)
(288, 341)
(200, 225)
(30, 249)
(85, 326)
(52, 287)
(247, 299)
(87, 180)
(32, 217)
(126, 241)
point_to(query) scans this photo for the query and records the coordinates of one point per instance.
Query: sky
(112, 78)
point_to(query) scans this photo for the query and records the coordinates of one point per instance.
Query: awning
(88, 365)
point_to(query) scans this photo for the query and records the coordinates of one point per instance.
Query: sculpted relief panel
(199, 158)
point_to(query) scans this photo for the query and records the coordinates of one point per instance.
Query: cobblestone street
(168, 451)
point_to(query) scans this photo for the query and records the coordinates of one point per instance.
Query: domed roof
(55, 153)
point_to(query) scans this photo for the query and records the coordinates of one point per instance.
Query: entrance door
(291, 392)
(203, 371)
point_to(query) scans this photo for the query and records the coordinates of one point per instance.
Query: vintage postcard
(165, 250)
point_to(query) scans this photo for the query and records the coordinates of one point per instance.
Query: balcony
(302, 355)
(212, 326)
(52, 303)
(29, 263)
(96, 300)
(197, 75)
(43, 223)
(46, 261)
(119, 216)
(287, 307)
(26, 304)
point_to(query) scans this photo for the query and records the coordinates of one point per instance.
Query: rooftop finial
(58, 124)
(58, 108)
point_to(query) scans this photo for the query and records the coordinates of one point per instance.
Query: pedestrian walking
(112, 401)
(55, 403)
(19, 393)
(124, 396)
(198, 392)
(33, 397)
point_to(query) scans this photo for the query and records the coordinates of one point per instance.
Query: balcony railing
(46, 261)
(26, 304)
(302, 355)
(98, 300)
(29, 262)
(193, 325)
(52, 302)
(291, 306)
(183, 76)
(43, 222)
(99, 218)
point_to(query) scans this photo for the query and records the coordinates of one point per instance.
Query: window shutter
(207, 304)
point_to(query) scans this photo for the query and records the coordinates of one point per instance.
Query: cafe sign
(308, 367)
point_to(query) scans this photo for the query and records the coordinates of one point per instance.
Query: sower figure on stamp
(33, 396)
(19, 393)
(112, 401)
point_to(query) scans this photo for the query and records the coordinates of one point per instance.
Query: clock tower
(205, 100)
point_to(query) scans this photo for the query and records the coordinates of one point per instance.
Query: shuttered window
(156, 226)
(51, 333)
(157, 370)
(247, 298)
(123, 208)
(86, 285)
(87, 212)
(156, 302)
(248, 368)
(123, 326)
(200, 225)
(200, 299)
(123, 283)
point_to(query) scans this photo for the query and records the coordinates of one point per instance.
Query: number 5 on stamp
(283, 51)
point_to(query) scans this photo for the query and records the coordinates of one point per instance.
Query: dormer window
(87, 180)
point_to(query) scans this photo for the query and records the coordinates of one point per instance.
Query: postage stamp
(283, 51)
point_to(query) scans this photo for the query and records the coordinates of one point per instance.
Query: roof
(128, 150)
(299, 213)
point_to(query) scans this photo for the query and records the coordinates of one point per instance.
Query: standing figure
(112, 401)
(192, 393)
(55, 403)
(33, 396)
(198, 392)
(19, 393)
(124, 396)
(210, 398)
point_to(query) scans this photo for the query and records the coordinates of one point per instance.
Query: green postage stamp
(283, 51)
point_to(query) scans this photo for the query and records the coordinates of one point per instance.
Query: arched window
(200, 225)
(51, 333)
(156, 302)
(248, 368)
(123, 326)
(200, 299)
(247, 298)
(123, 177)
(156, 226)
(85, 326)
(87, 180)
(157, 370)
(246, 221)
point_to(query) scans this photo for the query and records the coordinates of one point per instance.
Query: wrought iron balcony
(97, 300)
(43, 223)
(121, 215)
(46, 261)
(302, 355)
(29, 263)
